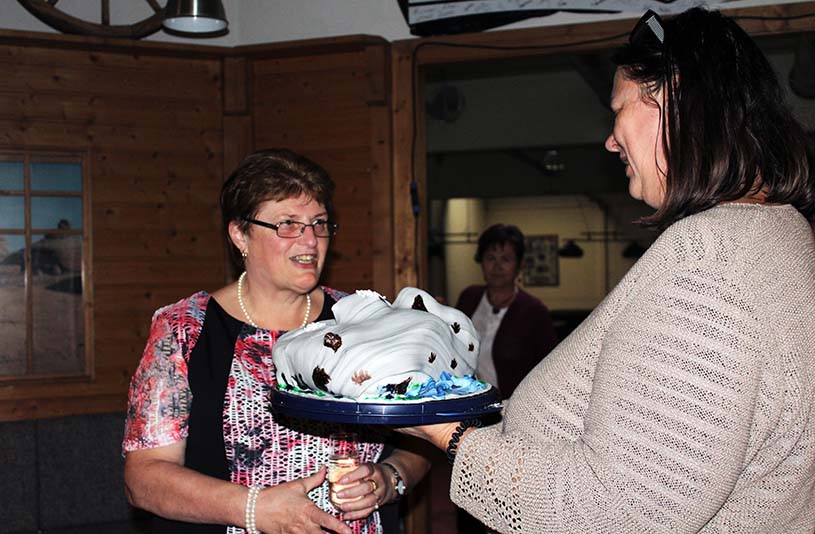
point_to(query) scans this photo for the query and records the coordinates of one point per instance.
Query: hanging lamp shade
(195, 16)
(633, 251)
(570, 250)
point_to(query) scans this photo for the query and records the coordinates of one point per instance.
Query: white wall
(514, 106)
(265, 21)
(549, 107)
(464, 220)
(584, 281)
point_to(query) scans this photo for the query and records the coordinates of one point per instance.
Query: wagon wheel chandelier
(186, 16)
(49, 12)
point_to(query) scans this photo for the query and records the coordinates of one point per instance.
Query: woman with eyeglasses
(202, 450)
(686, 401)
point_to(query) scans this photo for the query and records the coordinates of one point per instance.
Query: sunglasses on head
(648, 27)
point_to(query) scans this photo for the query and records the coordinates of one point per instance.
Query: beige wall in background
(582, 280)
(462, 215)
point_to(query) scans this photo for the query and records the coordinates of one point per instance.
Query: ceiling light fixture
(195, 16)
(633, 250)
(570, 250)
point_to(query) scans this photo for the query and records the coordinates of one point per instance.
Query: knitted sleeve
(660, 429)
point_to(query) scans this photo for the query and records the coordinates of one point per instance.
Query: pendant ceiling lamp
(633, 251)
(570, 250)
(195, 16)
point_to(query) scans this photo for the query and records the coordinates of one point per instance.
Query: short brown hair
(500, 234)
(273, 174)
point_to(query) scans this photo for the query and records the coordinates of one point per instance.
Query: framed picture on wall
(541, 262)
(44, 308)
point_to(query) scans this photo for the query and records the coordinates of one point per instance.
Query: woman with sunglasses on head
(203, 451)
(686, 401)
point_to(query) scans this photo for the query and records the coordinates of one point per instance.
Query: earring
(244, 254)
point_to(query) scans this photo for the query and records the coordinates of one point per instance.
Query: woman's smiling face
(291, 264)
(500, 266)
(637, 137)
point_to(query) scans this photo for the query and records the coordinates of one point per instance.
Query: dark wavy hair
(499, 234)
(728, 131)
(273, 174)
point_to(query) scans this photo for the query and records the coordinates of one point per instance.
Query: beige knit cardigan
(684, 403)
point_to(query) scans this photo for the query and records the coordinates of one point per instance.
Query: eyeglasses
(293, 229)
(649, 25)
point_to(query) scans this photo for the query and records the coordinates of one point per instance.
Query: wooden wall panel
(149, 121)
(332, 105)
(160, 125)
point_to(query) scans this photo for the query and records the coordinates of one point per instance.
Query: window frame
(53, 155)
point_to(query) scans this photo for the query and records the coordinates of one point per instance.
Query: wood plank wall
(329, 100)
(160, 126)
(149, 121)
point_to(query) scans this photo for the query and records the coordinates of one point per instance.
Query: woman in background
(515, 328)
(203, 450)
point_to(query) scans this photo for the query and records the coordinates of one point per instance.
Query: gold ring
(372, 482)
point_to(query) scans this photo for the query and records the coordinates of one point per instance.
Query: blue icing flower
(445, 386)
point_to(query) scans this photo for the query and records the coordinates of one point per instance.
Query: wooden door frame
(409, 57)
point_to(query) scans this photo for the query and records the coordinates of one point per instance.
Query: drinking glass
(343, 457)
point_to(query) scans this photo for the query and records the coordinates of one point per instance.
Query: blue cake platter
(385, 413)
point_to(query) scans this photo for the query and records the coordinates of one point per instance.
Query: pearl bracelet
(251, 502)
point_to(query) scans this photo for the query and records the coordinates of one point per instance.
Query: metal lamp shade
(570, 250)
(195, 16)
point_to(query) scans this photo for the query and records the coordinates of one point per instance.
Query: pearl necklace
(249, 317)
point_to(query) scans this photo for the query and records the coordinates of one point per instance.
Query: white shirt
(486, 323)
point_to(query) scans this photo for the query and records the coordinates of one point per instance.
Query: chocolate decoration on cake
(400, 388)
(432, 357)
(453, 364)
(285, 381)
(456, 328)
(332, 341)
(301, 383)
(418, 303)
(320, 378)
(360, 377)
(471, 347)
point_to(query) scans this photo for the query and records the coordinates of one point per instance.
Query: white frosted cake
(413, 350)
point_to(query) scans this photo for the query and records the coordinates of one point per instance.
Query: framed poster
(44, 311)
(541, 261)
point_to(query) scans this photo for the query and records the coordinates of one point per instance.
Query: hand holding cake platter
(409, 362)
